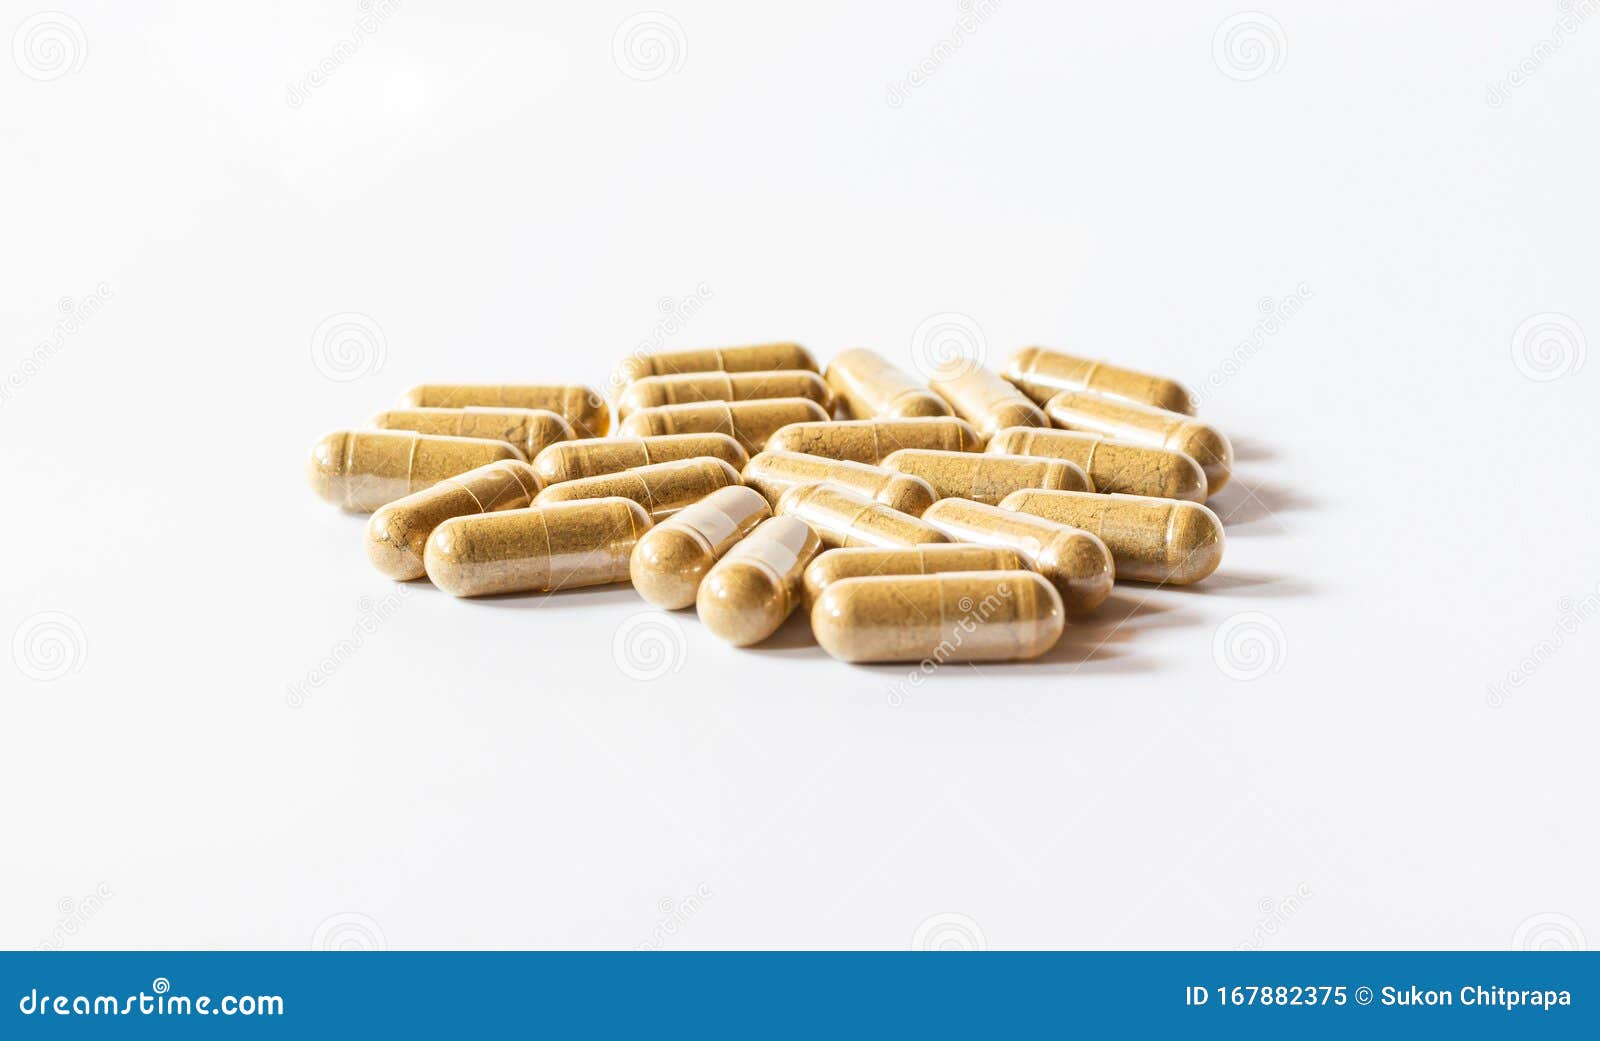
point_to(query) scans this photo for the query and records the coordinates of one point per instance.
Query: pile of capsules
(964, 519)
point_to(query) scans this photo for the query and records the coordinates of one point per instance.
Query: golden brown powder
(539, 549)
(661, 488)
(530, 430)
(986, 477)
(1042, 373)
(940, 618)
(360, 470)
(1145, 425)
(773, 473)
(673, 558)
(1152, 540)
(867, 386)
(398, 532)
(1113, 466)
(586, 410)
(590, 457)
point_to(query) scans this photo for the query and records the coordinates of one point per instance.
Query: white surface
(492, 190)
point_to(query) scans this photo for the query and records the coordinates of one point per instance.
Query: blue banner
(715, 995)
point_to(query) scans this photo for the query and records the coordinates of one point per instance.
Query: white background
(508, 191)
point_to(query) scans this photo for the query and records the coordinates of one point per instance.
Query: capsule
(962, 616)
(529, 429)
(585, 409)
(867, 386)
(398, 533)
(773, 473)
(360, 470)
(693, 388)
(756, 358)
(1042, 373)
(672, 558)
(1113, 466)
(590, 457)
(1146, 425)
(1152, 540)
(751, 590)
(564, 545)
(1077, 562)
(661, 488)
(986, 478)
(929, 559)
(750, 423)
(845, 517)
(988, 402)
(872, 440)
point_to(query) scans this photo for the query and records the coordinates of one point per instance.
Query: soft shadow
(1249, 450)
(793, 635)
(1242, 503)
(1246, 584)
(1095, 642)
(588, 596)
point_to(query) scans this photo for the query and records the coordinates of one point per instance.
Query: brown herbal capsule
(1077, 562)
(929, 559)
(398, 532)
(988, 402)
(590, 457)
(869, 387)
(543, 548)
(582, 407)
(1146, 425)
(756, 358)
(1113, 466)
(1152, 540)
(529, 429)
(1042, 373)
(961, 616)
(750, 592)
(773, 473)
(360, 470)
(672, 558)
(845, 517)
(661, 488)
(871, 440)
(986, 478)
(750, 423)
(693, 388)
